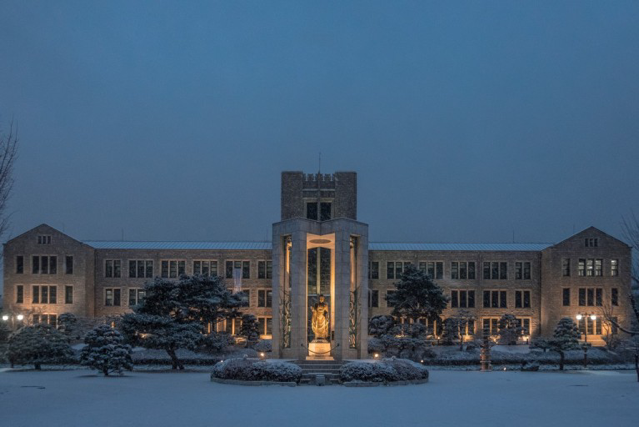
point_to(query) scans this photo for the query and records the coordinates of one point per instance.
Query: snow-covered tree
(510, 330)
(105, 351)
(4, 332)
(68, 324)
(417, 296)
(38, 344)
(249, 329)
(173, 313)
(380, 325)
(455, 327)
(566, 337)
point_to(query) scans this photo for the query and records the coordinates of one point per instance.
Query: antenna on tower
(319, 169)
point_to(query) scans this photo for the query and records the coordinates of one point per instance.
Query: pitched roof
(118, 244)
(458, 246)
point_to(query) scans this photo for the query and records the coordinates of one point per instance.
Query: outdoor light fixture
(5, 317)
(579, 317)
(20, 317)
(376, 356)
(593, 317)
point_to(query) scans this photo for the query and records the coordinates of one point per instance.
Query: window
(614, 267)
(565, 267)
(205, 268)
(598, 267)
(614, 296)
(43, 294)
(44, 264)
(590, 297)
(389, 294)
(522, 271)
(462, 299)
(462, 270)
(19, 294)
(434, 270)
(324, 212)
(144, 268)
(495, 270)
(495, 299)
(136, 296)
(44, 239)
(594, 326)
(592, 242)
(68, 294)
(590, 267)
(47, 319)
(582, 267)
(373, 298)
(525, 324)
(68, 264)
(522, 299)
(265, 325)
(394, 269)
(613, 325)
(112, 297)
(264, 269)
(112, 268)
(174, 268)
(491, 325)
(243, 266)
(373, 270)
(264, 298)
(19, 264)
(566, 297)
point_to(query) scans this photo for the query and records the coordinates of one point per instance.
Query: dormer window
(592, 242)
(44, 239)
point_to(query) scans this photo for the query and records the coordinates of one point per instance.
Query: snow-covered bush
(404, 347)
(257, 370)
(38, 344)
(105, 351)
(263, 346)
(386, 370)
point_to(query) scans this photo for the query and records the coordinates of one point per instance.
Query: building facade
(320, 249)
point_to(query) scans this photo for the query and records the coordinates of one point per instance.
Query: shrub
(217, 342)
(263, 346)
(105, 351)
(387, 370)
(257, 370)
(38, 344)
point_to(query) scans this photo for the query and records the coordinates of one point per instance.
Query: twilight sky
(172, 120)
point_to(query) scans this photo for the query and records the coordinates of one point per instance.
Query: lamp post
(12, 319)
(585, 345)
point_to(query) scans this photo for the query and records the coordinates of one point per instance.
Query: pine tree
(249, 329)
(173, 314)
(67, 324)
(566, 337)
(105, 351)
(510, 330)
(417, 296)
(38, 344)
(380, 325)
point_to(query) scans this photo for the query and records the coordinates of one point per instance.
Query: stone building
(319, 248)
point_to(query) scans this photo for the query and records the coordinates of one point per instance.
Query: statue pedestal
(319, 351)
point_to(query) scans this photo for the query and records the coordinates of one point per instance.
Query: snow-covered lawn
(188, 399)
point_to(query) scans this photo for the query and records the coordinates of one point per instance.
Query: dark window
(246, 298)
(149, 268)
(462, 299)
(264, 298)
(591, 297)
(133, 297)
(471, 270)
(374, 270)
(112, 268)
(390, 270)
(486, 271)
(439, 270)
(454, 270)
(20, 264)
(566, 297)
(374, 298)
(519, 271)
(463, 270)
(486, 299)
(522, 299)
(112, 297)
(311, 211)
(565, 267)
(44, 295)
(53, 294)
(142, 268)
(246, 270)
(582, 297)
(68, 294)
(264, 270)
(325, 211)
(494, 270)
(599, 297)
(68, 264)
(36, 265)
(518, 299)
(614, 296)
(471, 299)
(503, 271)
(527, 271)
(503, 303)
(35, 294)
(229, 269)
(454, 299)
(53, 265)
(19, 294)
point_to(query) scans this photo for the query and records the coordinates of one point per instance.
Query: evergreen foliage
(566, 337)
(510, 330)
(68, 324)
(380, 325)
(105, 351)
(417, 296)
(173, 314)
(38, 344)
(249, 329)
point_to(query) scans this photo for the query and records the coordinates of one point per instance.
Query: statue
(319, 321)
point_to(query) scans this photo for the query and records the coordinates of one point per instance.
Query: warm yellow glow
(593, 317)
(376, 355)
(20, 317)
(579, 317)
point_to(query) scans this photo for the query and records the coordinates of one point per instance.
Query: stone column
(342, 292)
(298, 296)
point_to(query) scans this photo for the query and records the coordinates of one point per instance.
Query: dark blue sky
(465, 121)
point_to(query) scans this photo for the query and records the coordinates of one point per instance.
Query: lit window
(614, 267)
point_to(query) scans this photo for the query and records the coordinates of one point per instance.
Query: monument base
(319, 351)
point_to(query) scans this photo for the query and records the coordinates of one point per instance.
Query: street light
(12, 318)
(585, 345)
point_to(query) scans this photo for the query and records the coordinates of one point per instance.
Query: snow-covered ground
(141, 399)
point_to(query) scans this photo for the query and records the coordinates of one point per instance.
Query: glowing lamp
(5, 317)
(376, 355)
(593, 317)
(579, 317)
(20, 317)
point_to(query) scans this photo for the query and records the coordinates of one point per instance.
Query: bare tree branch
(8, 156)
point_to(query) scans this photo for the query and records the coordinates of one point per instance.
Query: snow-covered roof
(118, 244)
(186, 245)
(497, 247)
